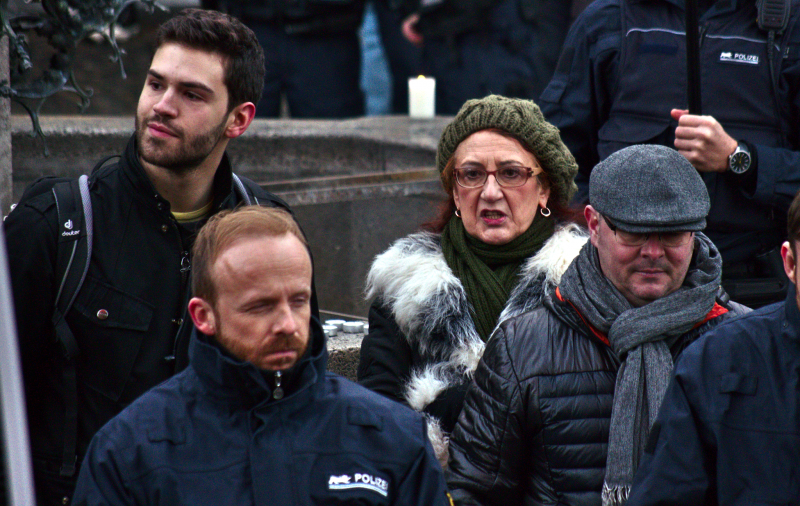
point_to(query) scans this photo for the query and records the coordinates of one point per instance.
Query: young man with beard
(129, 319)
(565, 395)
(255, 419)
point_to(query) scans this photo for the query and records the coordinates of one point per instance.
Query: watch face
(740, 162)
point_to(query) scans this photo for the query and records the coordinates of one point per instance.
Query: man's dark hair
(793, 227)
(220, 33)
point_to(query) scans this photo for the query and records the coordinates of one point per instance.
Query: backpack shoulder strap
(75, 239)
(241, 191)
(73, 254)
(249, 192)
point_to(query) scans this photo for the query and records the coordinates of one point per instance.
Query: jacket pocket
(760, 467)
(109, 326)
(344, 479)
(623, 130)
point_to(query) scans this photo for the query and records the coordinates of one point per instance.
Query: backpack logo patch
(69, 232)
(359, 480)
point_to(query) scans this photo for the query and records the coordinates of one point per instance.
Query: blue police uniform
(476, 47)
(312, 55)
(623, 68)
(220, 433)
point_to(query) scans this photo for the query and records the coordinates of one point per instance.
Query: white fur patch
(467, 358)
(439, 439)
(425, 386)
(556, 254)
(407, 276)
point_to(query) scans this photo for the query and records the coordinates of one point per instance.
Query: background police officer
(479, 47)
(622, 80)
(312, 53)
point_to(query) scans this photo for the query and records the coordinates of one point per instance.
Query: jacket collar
(224, 195)
(242, 384)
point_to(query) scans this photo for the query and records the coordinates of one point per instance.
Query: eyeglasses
(507, 177)
(668, 239)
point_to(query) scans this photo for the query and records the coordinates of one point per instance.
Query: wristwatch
(739, 161)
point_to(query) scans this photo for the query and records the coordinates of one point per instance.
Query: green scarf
(489, 272)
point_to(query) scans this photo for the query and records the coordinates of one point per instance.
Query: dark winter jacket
(215, 435)
(727, 432)
(139, 274)
(422, 346)
(305, 18)
(535, 423)
(476, 48)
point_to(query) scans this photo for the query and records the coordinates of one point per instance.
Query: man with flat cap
(564, 397)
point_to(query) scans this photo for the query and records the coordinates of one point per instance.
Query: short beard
(189, 155)
(241, 352)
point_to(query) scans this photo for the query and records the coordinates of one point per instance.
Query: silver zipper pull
(277, 394)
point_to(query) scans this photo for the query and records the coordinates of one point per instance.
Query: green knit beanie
(524, 120)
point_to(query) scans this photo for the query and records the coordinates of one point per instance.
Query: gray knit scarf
(641, 337)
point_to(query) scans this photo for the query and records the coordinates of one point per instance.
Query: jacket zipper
(185, 270)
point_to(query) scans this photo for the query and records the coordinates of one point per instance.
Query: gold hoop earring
(542, 210)
(458, 214)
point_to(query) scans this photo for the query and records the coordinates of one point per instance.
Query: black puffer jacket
(535, 423)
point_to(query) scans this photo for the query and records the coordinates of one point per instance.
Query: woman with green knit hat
(502, 236)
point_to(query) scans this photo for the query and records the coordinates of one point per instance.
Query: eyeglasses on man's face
(507, 177)
(668, 239)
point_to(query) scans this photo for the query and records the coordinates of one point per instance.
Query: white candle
(421, 97)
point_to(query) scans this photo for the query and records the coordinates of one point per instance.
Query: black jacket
(534, 427)
(733, 411)
(215, 435)
(302, 17)
(139, 274)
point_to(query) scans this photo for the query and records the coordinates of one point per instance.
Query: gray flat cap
(649, 188)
